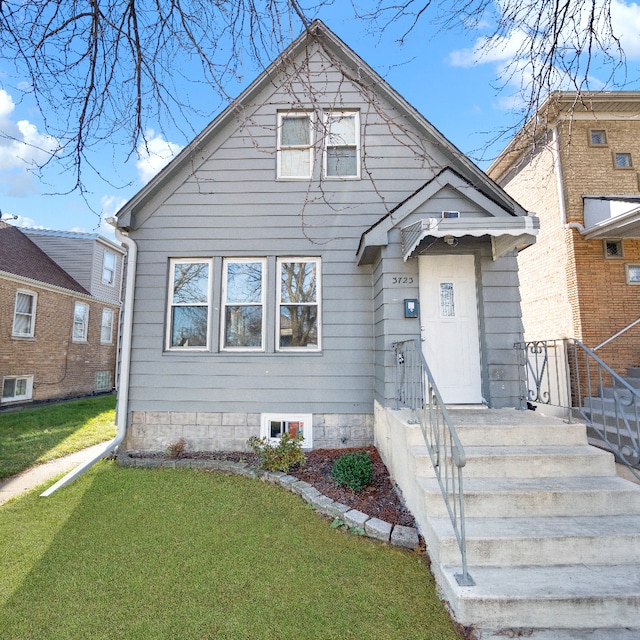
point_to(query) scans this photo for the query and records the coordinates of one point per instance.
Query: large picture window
(189, 299)
(80, 321)
(243, 303)
(298, 303)
(342, 144)
(294, 145)
(24, 314)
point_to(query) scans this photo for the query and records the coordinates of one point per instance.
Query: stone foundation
(154, 430)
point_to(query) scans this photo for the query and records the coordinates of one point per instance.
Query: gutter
(563, 213)
(125, 365)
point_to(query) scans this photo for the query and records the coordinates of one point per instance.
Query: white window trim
(341, 113)
(279, 147)
(107, 311)
(28, 393)
(111, 281)
(305, 418)
(170, 305)
(86, 323)
(628, 268)
(317, 303)
(32, 332)
(225, 303)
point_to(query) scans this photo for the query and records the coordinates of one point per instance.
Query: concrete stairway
(553, 534)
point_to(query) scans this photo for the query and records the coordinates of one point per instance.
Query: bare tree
(106, 70)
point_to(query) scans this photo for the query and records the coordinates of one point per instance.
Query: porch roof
(611, 217)
(506, 233)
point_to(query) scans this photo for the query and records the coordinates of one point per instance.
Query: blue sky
(439, 73)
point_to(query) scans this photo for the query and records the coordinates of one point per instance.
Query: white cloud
(154, 153)
(503, 52)
(22, 147)
(21, 221)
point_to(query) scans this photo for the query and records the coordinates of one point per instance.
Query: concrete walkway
(39, 474)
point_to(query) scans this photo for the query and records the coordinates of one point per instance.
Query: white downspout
(125, 364)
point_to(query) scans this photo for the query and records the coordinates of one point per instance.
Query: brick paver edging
(398, 535)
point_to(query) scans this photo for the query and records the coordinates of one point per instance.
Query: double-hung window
(24, 317)
(342, 144)
(80, 322)
(298, 302)
(243, 303)
(295, 145)
(109, 267)
(189, 300)
(106, 328)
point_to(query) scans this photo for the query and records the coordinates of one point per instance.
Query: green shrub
(279, 457)
(353, 470)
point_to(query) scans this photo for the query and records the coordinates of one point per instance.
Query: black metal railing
(416, 390)
(565, 373)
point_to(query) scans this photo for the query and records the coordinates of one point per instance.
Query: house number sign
(400, 280)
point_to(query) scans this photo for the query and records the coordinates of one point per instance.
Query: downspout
(563, 211)
(125, 364)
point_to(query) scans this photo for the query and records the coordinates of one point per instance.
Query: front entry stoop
(553, 534)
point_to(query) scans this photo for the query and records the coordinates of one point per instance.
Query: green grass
(32, 436)
(173, 553)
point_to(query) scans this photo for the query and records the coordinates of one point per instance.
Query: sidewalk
(35, 476)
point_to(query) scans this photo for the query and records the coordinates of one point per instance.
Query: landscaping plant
(278, 457)
(353, 470)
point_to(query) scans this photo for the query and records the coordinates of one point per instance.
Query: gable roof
(370, 80)
(499, 222)
(21, 257)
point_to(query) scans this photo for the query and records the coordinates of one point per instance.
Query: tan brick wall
(543, 267)
(61, 367)
(569, 289)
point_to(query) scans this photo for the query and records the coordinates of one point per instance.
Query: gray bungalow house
(273, 263)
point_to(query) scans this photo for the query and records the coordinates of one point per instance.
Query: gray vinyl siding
(228, 202)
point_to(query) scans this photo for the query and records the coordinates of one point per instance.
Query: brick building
(575, 165)
(57, 340)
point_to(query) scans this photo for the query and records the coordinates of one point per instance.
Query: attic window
(294, 145)
(613, 249)
(342, 144)
(597, 137)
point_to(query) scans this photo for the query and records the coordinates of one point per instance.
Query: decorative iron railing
(567, 374)
(416, 390)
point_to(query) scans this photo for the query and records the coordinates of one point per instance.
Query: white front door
(449, 326)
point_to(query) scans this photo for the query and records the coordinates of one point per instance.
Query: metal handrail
(417, 390)
(565, 373)
(617, 335)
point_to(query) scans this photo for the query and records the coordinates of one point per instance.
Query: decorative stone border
(398, 535)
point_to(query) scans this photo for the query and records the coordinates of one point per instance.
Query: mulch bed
(379, 499)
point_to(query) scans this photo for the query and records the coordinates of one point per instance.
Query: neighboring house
(576, 166)
(58, 338)
(316, 221)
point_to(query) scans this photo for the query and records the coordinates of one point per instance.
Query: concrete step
(559, 597)
(525, 461)
(633, 372)
(542, 541)
(537, 461)
(559, 433)
(610, 633)
(538, 497)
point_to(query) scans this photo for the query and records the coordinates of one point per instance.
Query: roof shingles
(21, 257)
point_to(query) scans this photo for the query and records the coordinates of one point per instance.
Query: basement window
(274, 425)
(103, 381)
(613, 249)
(17, 388)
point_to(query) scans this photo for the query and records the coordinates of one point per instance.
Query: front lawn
(177, 553)
(32, 436)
